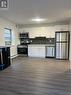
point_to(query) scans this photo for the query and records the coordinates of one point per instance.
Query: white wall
(7, 24)
(48, 31)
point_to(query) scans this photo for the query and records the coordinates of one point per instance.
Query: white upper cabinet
(48, 31)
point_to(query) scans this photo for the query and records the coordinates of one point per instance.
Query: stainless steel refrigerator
(62, 44)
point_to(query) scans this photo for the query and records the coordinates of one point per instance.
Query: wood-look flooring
(36, 76)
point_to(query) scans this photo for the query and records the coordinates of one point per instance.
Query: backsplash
(42, 40)
(24, 39)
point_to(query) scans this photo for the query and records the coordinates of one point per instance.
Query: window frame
(9, 37)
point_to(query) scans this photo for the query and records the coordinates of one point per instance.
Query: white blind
(7, 36)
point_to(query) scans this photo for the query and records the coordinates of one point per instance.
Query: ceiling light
(38, 19)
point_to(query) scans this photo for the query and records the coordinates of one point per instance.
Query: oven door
(22, 50)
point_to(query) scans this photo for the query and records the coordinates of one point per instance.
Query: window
(7, 36)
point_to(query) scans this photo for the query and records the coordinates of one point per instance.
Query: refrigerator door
(57, 37)
(62, 50)
(61, 37)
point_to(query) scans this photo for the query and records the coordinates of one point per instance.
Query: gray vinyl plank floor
(36, 76)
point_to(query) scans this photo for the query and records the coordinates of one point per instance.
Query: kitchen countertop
(41, 44)
(4, 46)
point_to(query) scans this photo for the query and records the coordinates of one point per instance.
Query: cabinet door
(41, 51)
(50, 51)
(32, 51)
(36, 51)
(6, 56)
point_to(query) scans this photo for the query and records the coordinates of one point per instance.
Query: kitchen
(41, 42)
(35, 47)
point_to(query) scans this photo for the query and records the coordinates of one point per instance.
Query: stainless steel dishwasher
(50, 51)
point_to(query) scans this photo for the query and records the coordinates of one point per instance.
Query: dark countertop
(41, 44)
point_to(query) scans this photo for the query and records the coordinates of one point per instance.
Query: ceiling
(21, 11)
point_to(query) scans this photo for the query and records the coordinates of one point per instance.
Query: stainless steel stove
(22, 49)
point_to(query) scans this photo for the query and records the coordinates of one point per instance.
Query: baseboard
(14, 56)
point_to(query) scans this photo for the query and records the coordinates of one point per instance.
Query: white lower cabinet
(36, 51)
(41, 51)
